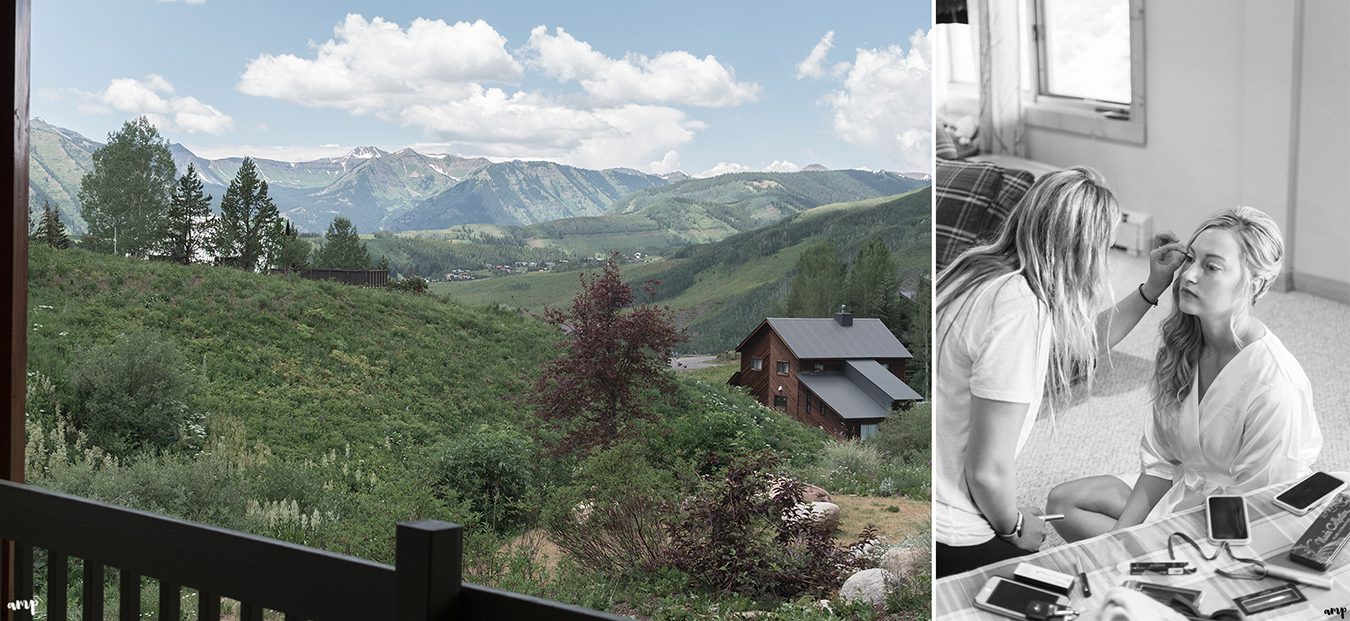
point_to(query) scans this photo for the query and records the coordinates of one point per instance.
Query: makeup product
(1320, 544)
(1082, 579)
(1168, 568)
(1043, 578)
(1269, 599)
(1165, 592)
(1050, 517)
(1301, 577)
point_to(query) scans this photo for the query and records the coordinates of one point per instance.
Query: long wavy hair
(1056, 238)
(1262, 249)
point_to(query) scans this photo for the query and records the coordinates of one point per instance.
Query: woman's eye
(1212, 267)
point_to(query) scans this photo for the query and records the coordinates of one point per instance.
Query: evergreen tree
(125, 197)
(49, 229)
(920, 334)
(818, 288)
(249, 231)
(873, 286)
(295, 251)
(342, 247)
(189, 219)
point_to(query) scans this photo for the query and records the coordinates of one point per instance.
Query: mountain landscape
(721, 290)
(557, 204)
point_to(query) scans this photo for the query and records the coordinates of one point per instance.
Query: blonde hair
(1056, 237)
(1262, 250)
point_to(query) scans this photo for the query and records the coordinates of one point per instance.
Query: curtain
(1001, 124)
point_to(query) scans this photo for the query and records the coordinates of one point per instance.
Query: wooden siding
(812, 411)
(764, 383)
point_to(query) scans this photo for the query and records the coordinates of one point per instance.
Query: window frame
(756, 363)
(783, 398)
(1086, 116)
(783, 367)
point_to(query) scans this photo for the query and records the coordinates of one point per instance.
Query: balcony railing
(261, 574)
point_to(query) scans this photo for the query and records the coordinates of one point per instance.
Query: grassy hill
(721, 290)
(305, 366)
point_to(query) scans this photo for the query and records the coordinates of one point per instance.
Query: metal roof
(870, 374)
(825, 338)
(843, 396)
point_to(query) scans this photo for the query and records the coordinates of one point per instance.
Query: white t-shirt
(992, 342)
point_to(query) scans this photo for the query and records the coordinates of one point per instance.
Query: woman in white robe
(1233, 410)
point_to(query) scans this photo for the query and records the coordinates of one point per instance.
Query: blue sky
(702, 87)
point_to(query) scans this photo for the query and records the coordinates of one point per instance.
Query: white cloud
(782, 166)
(723, 168)
(371, 66)
(883, 104)
(669, 77)
(285, 153)
(668, 164)
(440, 77)
(811, 66)
(154, 98)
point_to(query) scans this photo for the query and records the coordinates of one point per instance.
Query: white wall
(1322, 227)
(1221, 106)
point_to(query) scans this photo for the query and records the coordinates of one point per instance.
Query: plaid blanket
(973, 200)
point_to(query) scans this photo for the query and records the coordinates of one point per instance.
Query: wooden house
(841, 374)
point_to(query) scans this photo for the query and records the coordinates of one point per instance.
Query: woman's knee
(1062, 498)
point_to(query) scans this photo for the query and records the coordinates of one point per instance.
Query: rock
(904, 562)
(826, 513)
(868, 585)
(813, 493)
(582, 512)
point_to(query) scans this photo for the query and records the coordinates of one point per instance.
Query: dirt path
(689, 363)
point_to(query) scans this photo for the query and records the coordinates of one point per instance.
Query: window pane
(867, 431)
(958, 42)
(1087, 49)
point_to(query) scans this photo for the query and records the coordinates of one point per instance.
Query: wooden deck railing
(260, 573)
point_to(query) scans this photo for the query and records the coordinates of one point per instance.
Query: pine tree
(818, 288)
(295, 251)
(49, 229)
(249, 232)
(873, 286)
(125, 197)
(342, 247)
(189, 218)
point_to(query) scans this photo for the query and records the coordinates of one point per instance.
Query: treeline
(431, 257)
(136, 206)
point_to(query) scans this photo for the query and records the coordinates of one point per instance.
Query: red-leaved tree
(614, 352)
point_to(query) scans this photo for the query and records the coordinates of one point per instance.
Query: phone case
(1246, 517)
(1320, 544)
(1304, 511)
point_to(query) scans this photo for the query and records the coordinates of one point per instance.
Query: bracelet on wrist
(1142, 295)
(1016, 530)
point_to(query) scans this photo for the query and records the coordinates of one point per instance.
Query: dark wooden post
(429, 556)
(14, 278)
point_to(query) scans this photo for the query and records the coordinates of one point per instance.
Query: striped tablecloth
(1106, 561)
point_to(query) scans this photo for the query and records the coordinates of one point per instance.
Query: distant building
(841, 374)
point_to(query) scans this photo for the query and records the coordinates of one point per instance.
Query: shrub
(491, 467)
(410, 284)
(906, 435)
(748, 532)
(613, 518)
(859, 468)
(134, 394)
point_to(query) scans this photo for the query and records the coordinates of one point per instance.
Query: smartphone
(1010, 599)
(1309, 492)
(1226, 519)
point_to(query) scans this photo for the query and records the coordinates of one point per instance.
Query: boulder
(826, 513)
(814, 493)
(904, 562)
(868, 585)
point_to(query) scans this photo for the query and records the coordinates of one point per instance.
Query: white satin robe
(1255, 426)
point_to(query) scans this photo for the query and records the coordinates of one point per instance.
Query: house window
(806, 403)
(782, 367)
(867, 431)
(756, 364)
(779, 401)
(819, 366)
(960, 43)
(1088, 59)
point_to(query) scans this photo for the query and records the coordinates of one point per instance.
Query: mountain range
(406, 190)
